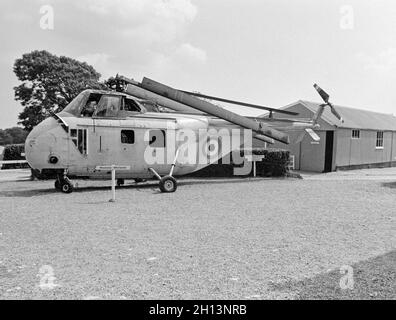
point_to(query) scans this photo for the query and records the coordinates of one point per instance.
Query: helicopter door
(128, 145)
(103, 145)
(102, 138)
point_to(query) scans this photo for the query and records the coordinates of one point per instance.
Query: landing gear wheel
(66, 186)
(168, 184)
(120, 182)
(57, 185)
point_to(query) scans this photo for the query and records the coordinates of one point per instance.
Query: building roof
(354, 118)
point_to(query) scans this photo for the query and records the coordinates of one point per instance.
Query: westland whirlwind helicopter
(117, 127)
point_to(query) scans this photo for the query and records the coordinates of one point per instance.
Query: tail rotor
(325, 96)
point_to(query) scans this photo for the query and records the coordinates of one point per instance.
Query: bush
(274, 164)
(14, 152)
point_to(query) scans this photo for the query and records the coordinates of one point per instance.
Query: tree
(49, 83)
(5, 138)
(13, 135)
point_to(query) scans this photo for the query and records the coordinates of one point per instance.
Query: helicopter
(155, 131)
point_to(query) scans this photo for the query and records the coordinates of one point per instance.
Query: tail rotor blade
(322, 93)
(313, 134)
(325, 96)
(334, 111)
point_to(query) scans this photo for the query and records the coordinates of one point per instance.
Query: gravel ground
(212, 239)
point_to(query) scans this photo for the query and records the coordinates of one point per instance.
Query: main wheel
(168, 184)
(120, 182)
(57, 185)
(66, 186)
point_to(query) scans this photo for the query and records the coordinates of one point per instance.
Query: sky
(267, 52)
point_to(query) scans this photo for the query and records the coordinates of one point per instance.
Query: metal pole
(155, 173)
(113, 183)
(254, 168)
(174, 162)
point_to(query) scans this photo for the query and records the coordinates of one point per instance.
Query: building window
(380, 140)
(355, 134)
(128, 136)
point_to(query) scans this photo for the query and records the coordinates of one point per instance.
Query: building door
(328, 165)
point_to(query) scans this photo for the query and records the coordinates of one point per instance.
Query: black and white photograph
(217, 152)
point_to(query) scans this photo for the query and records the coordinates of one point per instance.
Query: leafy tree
(49, 83)
(5, 138)
(13, 135)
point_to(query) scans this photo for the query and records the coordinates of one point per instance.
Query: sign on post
(113, 169)
(254, 158)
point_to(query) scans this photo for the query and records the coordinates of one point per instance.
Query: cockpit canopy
(103, 104)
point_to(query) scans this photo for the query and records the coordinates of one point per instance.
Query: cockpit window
(91, 105)
(108, 106)
(77, 103)
(131, 105)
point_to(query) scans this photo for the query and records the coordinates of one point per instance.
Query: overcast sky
(265, 51)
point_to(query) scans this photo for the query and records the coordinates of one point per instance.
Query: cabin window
(380, 140)
(79, 138)
(128, 136)
(157, 138)
(108, 106)
(355, 134)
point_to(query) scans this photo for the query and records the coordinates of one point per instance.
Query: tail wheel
(66, 187)
(168, 184)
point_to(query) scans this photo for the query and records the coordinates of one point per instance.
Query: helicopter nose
(41, 144)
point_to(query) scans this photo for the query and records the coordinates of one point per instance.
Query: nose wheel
(64, 184)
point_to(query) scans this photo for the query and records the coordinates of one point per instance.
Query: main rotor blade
(255, 106)
(142, 93)
(211, 109)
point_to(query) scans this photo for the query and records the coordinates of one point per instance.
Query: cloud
(17, 17)
(177, 60)
(190, 53)
(100, 61)
(94, 58)
(148, 22)
(384, 62)
(138, 36)
(131, 37)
